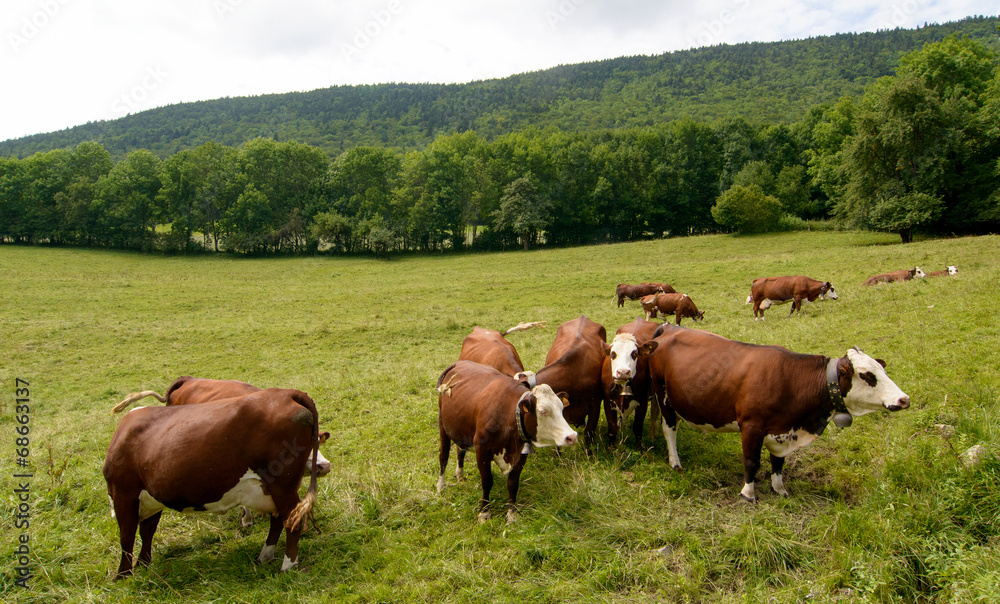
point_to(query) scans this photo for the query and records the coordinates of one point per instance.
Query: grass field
(884, 511)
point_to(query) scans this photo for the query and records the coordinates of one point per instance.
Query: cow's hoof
(511, 515)
(748, 499)
(484, 516)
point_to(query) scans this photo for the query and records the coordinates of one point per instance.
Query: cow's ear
(880, 362)
(564, 398)
(323, 437)
(607, 349)
(528, 403)
(844, 368)
(648, 348)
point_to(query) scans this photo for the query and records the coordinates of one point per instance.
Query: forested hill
(766, 82)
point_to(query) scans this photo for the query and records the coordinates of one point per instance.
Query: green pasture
(884, 511)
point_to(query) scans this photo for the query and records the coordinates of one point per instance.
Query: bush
(747, 210)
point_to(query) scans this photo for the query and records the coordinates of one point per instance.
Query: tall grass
(883, 511)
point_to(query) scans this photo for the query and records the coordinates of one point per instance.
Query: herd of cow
(263, 441)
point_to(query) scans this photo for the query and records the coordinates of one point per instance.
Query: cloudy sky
(67, 62)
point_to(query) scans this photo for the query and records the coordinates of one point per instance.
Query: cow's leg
(484, 461)
(611, 414)
(757, 312)
(777, 482)
(443, 453)
(246, 517)
(460, 467)
(291, 558)
(654, 419)
(752, 444)
(669, 420)
(640, 419)
(127, 514)
(590, 431)
(146, 530)
(513, 482)
(273, 532)
(796, 305)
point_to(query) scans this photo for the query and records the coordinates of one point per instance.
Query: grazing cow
(573, 365)
(773, 397)
(950, 271)
(634, 292)
(901, 275)
(679, 305)
(489, 347)
(502, 419)
(625, 377)
(249, 451)
(776, 290)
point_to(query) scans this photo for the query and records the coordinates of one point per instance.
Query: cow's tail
(304, 508)
(525, 327)
(128, 400)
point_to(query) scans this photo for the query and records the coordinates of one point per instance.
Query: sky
(69, 62)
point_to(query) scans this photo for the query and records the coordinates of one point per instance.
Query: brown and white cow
(573, 365)
(901, 275)
(767, 291)
(250, 451)
(773, 397)
(625, 377)
(490, 347)
(679, 305)
(634, 292)
(950, 271)
(502, 419)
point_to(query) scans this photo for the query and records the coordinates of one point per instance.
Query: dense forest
(895, 130)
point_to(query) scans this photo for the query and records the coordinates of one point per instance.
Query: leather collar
(521, 430)
(833, 387)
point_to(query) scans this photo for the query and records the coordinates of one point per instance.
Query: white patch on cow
(781, 445)
(952, 270)
(511, 515)
(862, 398)
(670, 435)
(624, 353)
(919, 274)
(749, 493)
(628, 411)
(552, 430)
(112, 502)
(502, 463)
(750, 299)
(778, 484)
(459, 473)
(527, 376)
(134, 409)
(440, 483)
(831, 294)
(266, 554)
(148, 506)
(288, 563)
(322, 464)
(248, 492)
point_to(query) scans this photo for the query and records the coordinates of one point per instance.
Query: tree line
(916, 151)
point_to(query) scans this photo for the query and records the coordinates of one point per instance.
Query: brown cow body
(490, 347)
(773, 397)
(901, 275)
(679, 305)
(479, 408)
(635, 292)
(948, 272)
(573, 365)
(623, 399)
(250, 450)
(782, 289)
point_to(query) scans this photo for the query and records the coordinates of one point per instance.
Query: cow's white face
(919, 273)
(322, 463)
(952, 270)
(750, 299)
(552, 430)
(831, 294)
(871, 389)
(624, 353)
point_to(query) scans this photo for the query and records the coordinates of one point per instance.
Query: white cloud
(66, 62)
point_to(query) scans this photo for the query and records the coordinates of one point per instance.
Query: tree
(127, 200)
(522, 210)
(747, 210)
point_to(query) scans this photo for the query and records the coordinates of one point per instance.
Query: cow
(776, 290)
(901, 275)
(502, 419)
(634, 292)
(950, 271)
(250, 450)
(679, 305)
(573, 365)
(187, 390)
(772, 396)
(625, 377)
(489, 347)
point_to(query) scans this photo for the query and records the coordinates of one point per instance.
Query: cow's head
(952, 270)
(750, 299)
(828, 292)
(699, 316)
(866, 386)
(624, 353)
(552, 429)
(919, 273)
(322, 463)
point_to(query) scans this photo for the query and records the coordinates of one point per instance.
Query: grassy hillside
(767, 82)
(882, 511)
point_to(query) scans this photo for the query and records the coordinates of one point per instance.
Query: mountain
(773, 82)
